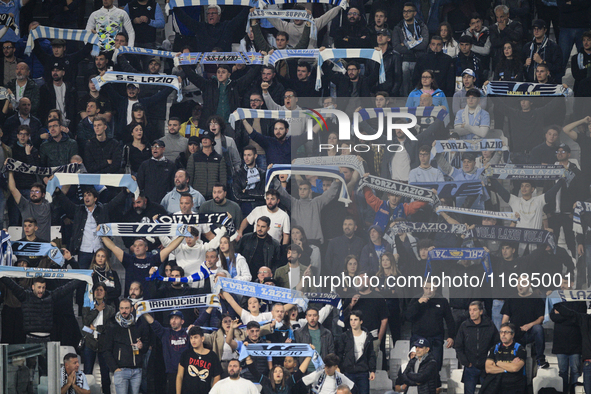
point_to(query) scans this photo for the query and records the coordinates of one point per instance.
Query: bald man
(23, 86)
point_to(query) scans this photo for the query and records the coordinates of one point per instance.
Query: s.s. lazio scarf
(512, 234)
(281, 350)
(320, 171)
(142, 51)
(558, 296)
(265, 292)
(418, 227)
(5, 248)
(348, 161)
(439, 112)
(48, 273)
(202, 273)
(342, 3)
(399, 189)
(25, 248)
(193, 3)
(525, 171)
(115, 180)
(247, 113)
(19, 166)
(143, 230)
(280, 54)
(477, 212)
(170, 81)
(284, 14)
(468, 146)
(581, 208)
(183, 302)
(219, 219)
(460, 254)
(64, 34)
(452, 188)
(339, 53)
(247, 58)
(502, 88)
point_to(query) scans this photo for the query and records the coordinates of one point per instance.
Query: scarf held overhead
(468, 146)
(142, 51)
(452, 188)
(247, 113)
(247, 58)
(370, 54)
(526, 171)
(281, 350)
(581, 210)
(170, 81)
(477, 212)
(501, 88)
(24, 248)
(170, 304)
(439, 112)
(115, 180)
(265, 292)
(513, 234)
(348, 161)
(19, 166)
(460, 254)
(143, 230)
(284, 14)
(220, 219)
(64, 34)
(399, 189)
(194, 3)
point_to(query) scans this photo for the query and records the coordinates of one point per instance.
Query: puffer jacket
(345, 349)
(117, 343)
(38, 312)
(426, 378)
(473, 341)
(205, 171)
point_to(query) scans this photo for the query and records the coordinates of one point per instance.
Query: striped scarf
(399, 189)
(284, 14)
(348, 161)
(247, 113)
(170, 304)
(64, 34)
(170, 81)
(24, 168)
(281, 54)
(342, 3)
(115, 180)
(526, 171)
(192, 3)
(203, 273)
(477, 212)
(581, 208)
(439, 112)
(142, 51)
(143, 230)
(502, 88)
(371, 54)
(248, 58)
(5, 95)
(5, 248)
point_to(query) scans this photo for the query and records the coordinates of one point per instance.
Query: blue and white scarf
(63, 34)
(281, 350)
(321, 172)
(468, 146)
(5, 95)
(219, 219)
(412, 38)
(25, 248)
(247, 113)
(503, 88)
(348, 161)
(173, 303)
(5, 248)
(170, 81)
(201, 274)
(340, 53)
(513, 234)
(142, 51)
(418, 227)
(143, 230)
(19, 166)
(115, 180)
(265, 292)
(477, 212)
(460, 254)
(342, 3)
(526, 171)
(439, 112)
(558, 296)
(452, 188)
(281, 54)
(581, 208)
(284, 14)
(193, 3)
(247, 58)
(399, 189)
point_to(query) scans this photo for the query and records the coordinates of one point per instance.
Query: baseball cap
(193, 140)
(384, 32)
(539, 23)
(138, 107)
(470, 72)
(209, 135)
(176, 313)
(58, 42)
(59, 65)
(160, 143)
(135, 85)
(469, 156)
(155, 59)
(564, 146)
(422, 342)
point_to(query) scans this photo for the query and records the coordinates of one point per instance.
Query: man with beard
(23, 117)
(207, 167)
(36, 206)
(505, 364)
(156, 176)
(23, 86)
(137, 266)
(262, 126)
(355, 33)
(125, 344)
(352, 86)
(136, 292)
(280, 226)
(171, 201)
(290, 103)
(443, 67)
(291, 274)
(59, 148)
(259, 248)
(392, 62)
(249, 181)
(234, 383)
(279, 147)
(340, 247)
(58, 94)
(220, 204)
(143, 211)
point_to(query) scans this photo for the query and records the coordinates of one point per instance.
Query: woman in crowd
(389, 269)
(279, 381)
(351, 270)
(510, 67)
(103, 273)
(138, 115)
(224, 145)
(427, 85)
(450, 46)
(233, 262)
(137, 151)
(192, 147)
(333, 141)
(310, 253)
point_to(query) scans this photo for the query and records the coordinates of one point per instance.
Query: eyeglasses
(255, 100)
(157, 147)
(288, 96)
(264, 272)
(35, 192)
(352, 13)
(505, 332)
(426, 77)
(408, 11)
(560, 152)
(9, 47)
(23, 134)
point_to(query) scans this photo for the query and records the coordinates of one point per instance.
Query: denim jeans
(497, 318)
(564, 362)
(89, 358)
(587, 377)
(128, 380)
(361, 381)
(568, 37)
(407, 70)
(535, 335)
(472, 376)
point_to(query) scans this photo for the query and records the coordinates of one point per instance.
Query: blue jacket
(277, 152)
(414, 98)
(174, 343)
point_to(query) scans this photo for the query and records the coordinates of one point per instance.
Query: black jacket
(345, 349)
(443, 67)
(79, 214)
(426, 378)
(38, 312)
(427, 317)
(345, 86)
(117, 342)
(70, 62)
(253, 195)
(302, 335)
(473, 342)
(550, 52)
(356, 35)
(392, 62)
(512, 32)
(271, 252)
(583, 320)
(49, 101)
(97, 153)
(567, 337)
(156, 178)
(10, 130)
(24, 181)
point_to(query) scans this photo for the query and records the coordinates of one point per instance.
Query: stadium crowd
(443, 60)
